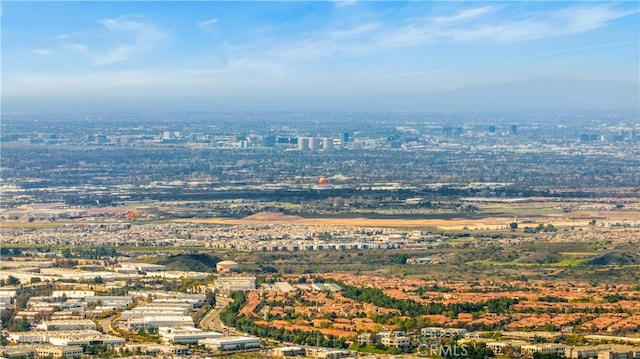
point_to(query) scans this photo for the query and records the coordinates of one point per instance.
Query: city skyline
(257, 53)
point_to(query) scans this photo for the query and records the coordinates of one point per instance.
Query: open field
(488, 222)
(278, 218)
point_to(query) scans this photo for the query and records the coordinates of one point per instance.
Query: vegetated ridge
(197, 262)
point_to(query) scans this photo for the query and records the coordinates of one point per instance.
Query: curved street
(211, 320)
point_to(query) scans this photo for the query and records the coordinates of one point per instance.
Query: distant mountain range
(532, 94)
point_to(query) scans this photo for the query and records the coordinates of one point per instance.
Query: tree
(11, 280)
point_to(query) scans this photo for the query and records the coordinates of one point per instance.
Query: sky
(265, 50)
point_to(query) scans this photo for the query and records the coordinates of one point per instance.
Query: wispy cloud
(464, 26)
(357, 30)
(123, 38)
(464, 15)
(344, 3)
(75, 47)
(208, 25)
(142, 37)
(42, 52)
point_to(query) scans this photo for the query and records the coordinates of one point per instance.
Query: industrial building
(185, 335)
(77, 324)
(231, 343)
(226, 285)
(155, 321)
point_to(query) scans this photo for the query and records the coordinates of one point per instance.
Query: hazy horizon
(324, 55)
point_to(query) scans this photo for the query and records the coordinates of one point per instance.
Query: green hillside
(615, 258)
(197, 262)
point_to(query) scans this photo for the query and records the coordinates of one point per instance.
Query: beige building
(547, 348)
(59, 352)
(226, 266)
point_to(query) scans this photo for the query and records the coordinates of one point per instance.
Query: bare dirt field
(279, 218)
(575, 219)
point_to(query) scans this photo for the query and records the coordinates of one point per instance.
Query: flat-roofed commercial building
(11, 352)
(159, 349)
(154, 322)
(72, 293)
(231, 343)
(548, 348)
(59, 352)
(27, 337)
(185, 335)
(96, 339)
(226, 285)
(68, 324)
(143, 267)
(292, 351)
(114, 302)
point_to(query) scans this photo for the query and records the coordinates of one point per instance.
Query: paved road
(211, 320)
(107, 324)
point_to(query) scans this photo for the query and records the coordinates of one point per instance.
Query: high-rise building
(327, 144)
(269, 141)
(315, 143)
(514, 129)
(303, 143)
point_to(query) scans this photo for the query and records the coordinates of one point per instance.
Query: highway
(211, 320)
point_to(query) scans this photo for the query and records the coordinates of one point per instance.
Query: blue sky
(338, 48)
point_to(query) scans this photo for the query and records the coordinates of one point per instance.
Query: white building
(143, 267)
(227, 285)
(327, 144)
(365, 339)
(303, 143)
(64, 324)
(72, 293)
(154, 322)
(103, 339)
(113, 302)
(283, 287)
(438, 332)
(315, 143)
(27, 337)
(185, 335)
(231, 343)
(395, 339)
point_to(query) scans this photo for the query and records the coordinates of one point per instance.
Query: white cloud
(463, 27)
(116, 54)
(357, 30)
(118, 39)
(344, 3)
(75, 47)
(208, 25)
(582, 19)
(464, 15)
(145, 36)
(42, 52)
